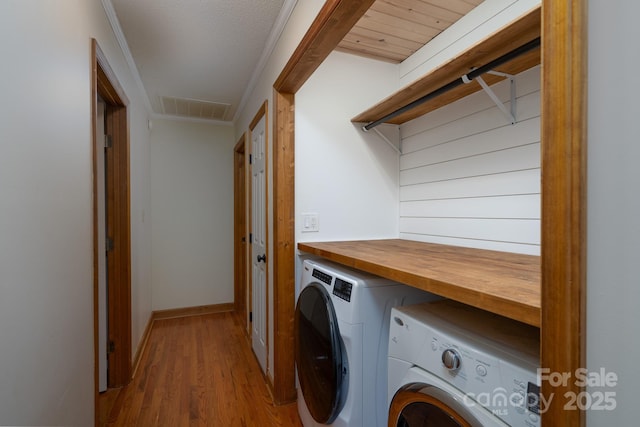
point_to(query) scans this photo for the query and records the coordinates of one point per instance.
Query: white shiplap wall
(469, 178)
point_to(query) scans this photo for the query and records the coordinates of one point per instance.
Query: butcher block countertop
(500, 282)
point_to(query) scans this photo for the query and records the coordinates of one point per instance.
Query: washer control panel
(494, 373)
(451, 359)
(342, 289)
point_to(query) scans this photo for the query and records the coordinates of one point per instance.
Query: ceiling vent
(186, 107)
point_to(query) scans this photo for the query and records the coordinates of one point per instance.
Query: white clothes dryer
(454, 365)
(342, 328)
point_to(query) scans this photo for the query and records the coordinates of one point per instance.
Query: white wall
(613, 233)
(299, 22)
(362, 166)
(345, 175)
(46, 261)
(470, 178)
(191, 214)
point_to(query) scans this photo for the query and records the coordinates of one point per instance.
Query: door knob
(262, 258)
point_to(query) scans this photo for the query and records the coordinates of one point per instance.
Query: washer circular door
(424, 405)
(321, 358)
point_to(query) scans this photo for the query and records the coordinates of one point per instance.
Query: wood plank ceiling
(392, 30)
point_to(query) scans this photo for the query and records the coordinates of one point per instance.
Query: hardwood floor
(199, 371)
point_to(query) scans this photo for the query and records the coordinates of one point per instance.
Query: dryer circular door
(321, 358)
(425, 405)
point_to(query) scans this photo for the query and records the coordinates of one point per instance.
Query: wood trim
(118, 217)
(262, 111)
(284, 388)
(105, 84)
(173, 313)
(141, 346)
(240, 227)
(94, 161)
(334, 21)
(503, 283)
(514, 67)
(267, 220)
(512, 36)
(564, 165)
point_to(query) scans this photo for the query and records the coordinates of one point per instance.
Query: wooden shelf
(499, 282)
(519, 32)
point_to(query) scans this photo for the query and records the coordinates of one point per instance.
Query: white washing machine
(342, 327)
(454, 365)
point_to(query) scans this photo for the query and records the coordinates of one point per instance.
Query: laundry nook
(319, 213)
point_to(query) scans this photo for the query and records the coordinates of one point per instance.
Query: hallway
(199, 371)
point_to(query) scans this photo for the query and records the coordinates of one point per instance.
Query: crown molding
(124, 46)
(156, 116)
(274, 36)
(272, 41)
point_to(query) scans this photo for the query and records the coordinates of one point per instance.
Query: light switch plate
(310, 222)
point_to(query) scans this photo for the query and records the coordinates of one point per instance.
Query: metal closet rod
(460, 81)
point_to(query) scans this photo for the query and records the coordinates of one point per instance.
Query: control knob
(451, 359)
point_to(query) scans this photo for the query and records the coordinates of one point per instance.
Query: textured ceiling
(197, 58)
(197, 51)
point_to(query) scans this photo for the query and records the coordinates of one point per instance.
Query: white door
(102, 249)
(259, 243)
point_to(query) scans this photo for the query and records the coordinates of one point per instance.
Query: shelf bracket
(509, 114)
(391, 135)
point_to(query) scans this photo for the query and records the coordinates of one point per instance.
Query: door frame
(105, 84)
(262, 112)
(333, 22)
(240, 257)
(564, 201)
(563, 141)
